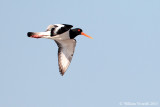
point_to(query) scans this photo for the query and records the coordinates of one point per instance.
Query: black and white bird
(64, 36)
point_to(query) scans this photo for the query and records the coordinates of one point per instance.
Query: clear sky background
(121, 63)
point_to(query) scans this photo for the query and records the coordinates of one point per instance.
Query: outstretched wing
(58, 29)
(62, 28)
(65, 54)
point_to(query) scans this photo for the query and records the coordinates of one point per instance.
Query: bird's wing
(60, 28)
(65, 53)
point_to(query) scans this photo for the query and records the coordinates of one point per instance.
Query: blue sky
(121, 63)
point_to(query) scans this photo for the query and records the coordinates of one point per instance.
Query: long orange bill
(86, 35)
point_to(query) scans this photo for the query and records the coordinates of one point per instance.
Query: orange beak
(86, 35)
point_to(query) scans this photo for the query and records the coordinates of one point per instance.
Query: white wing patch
(58, 27)
(65, 53)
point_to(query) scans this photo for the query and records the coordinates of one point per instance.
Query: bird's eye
(79, 30)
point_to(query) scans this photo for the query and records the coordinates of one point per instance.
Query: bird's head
(78, 31)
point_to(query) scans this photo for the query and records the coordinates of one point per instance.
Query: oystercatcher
(64, 36)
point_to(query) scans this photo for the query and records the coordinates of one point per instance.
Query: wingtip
(61, 72)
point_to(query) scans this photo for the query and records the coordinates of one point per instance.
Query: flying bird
(64, 36)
